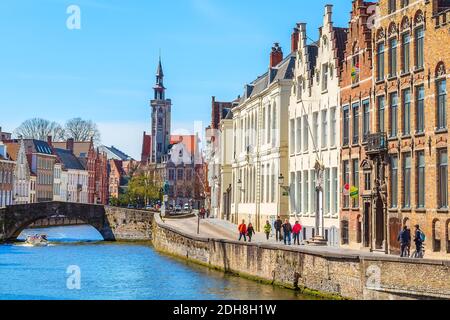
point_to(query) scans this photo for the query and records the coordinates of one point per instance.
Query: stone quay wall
(315, 272)
(130, 224)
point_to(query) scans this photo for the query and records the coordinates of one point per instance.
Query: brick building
(6, 177)
(356, 107)
(408, 156)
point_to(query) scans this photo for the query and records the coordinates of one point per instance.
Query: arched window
(441, 94)
(419, 35)
(436, 236)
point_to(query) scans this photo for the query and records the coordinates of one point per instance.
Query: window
(324, 76)
(305, 133)
(381, 106)
(421, 179)
(355, 109)
(407, 181)
(298, 139)
(312, 191)
(292, 136)
(333, 127)
(443, 179)
(298, 190)
(420, 107)
(367, 181)
(346, 126)
(380, 61)
(344, 232)
(392, 57)
(306, 191)
(394, 182)
(355, 68)
(404, 3)
(392, 6)
(335, 190)
(324, 128)
(316, 129)
(406, 99)
(366, 119)
(406, 39)
(346, 182)
(327, 194)
(393, 101)
(355, 178)
(419, 36)
(442, 104)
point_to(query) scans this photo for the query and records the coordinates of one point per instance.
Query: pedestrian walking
(278, 225)
(405, 241)
(243, 231)
(250, 232)
(267, 229)
(287, 231)
(296, 232)
(419, 239)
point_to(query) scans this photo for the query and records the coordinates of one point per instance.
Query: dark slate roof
(313, 51)
(340, 38)
(283, 71)
(229, 115)
(69, 160)
(122, 155)
(37, 146)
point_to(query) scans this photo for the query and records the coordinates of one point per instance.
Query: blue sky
(105, 71)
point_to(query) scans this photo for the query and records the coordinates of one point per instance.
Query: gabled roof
(283, 71)
(68, 159)
(114, 153)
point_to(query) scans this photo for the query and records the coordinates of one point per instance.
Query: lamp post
(280, 193)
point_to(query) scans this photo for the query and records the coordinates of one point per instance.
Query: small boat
(38, 240)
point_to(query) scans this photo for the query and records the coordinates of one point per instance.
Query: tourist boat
(38, 240)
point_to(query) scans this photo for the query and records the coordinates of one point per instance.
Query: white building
(260, 144)
(22, 174)
(70, 178)
(314, 132)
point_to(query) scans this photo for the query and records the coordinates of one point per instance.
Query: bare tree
(40, 129)
(82, 130)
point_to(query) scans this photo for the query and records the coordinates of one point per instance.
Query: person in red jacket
(243, 231)
(296, 231)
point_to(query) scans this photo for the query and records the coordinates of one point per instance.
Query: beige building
(260, 144)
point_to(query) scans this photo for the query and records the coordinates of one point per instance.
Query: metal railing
(376, 142)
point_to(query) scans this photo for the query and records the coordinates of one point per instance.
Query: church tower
(161, 118)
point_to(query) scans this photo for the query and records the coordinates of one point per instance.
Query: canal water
(114, 271)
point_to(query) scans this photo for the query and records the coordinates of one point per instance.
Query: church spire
(159, 86)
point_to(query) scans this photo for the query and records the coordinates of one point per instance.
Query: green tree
(143, 189)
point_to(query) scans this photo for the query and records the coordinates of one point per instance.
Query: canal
(114, 271)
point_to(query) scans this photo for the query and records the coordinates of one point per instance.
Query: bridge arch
(17, 218)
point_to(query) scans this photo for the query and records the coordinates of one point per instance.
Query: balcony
(376, 143)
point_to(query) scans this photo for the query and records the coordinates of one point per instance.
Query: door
(395, 226)
(379, 224)
(367, 224)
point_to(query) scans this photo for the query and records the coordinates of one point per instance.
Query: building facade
(314, 125)
(409, 158)
(6, 177)
(356, 109)
(16, 151)
(260, 144)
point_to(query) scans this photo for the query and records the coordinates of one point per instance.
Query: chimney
(302, 34)
(70, 144)
(328, 13)
(49, 141)
(295, 39)
(276, 56)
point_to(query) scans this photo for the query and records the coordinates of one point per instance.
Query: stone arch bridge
(112, 223)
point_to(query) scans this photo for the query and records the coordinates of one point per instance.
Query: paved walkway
(220, 229)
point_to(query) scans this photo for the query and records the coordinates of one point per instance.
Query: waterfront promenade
(221, 229)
